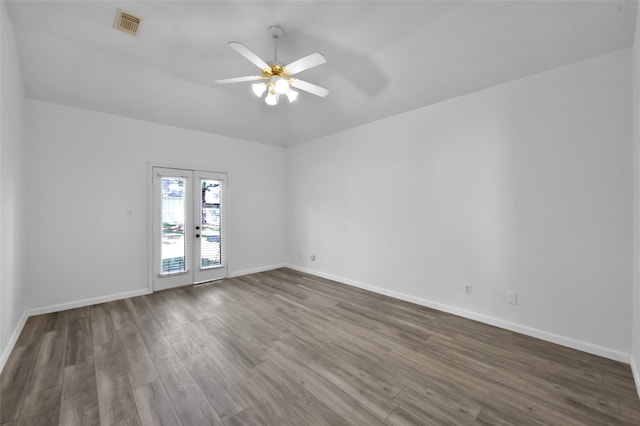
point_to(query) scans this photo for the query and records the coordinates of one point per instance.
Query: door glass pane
(173, 208)
(210, 247)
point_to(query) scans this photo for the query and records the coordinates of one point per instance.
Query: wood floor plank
(188, 400)
(270, 407)
(154, 338)
(222, 396)
(140, 366)
(79, 346)
(403, 417)
(341, 403)
(154, 405)
(48, 371)
(233, 371)
(180, 310)
(101, 325)
(131, 421)
(54, 321)
(248, 350)
(305, 404)
(32, 331)
(375, 375)
(115, 396)
(629, 409)
(375, 401)
(45, 418)
(286, 348)
(120, 315)
(137, 307)
(158, 307)
(14, 379)
(440, 408)
(246, 417)
(42, 405)
(79, 395)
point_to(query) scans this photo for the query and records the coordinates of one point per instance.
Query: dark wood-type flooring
(284, 348)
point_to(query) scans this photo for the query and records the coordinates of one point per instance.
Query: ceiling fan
(276, 79)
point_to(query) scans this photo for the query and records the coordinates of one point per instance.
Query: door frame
(150, 206)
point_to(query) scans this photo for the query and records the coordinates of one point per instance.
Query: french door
(188, 227)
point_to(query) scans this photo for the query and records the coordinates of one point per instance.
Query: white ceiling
(384, 57)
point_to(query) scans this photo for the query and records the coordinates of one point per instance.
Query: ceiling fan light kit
(276, 79)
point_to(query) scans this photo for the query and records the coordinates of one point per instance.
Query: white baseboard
(507, 325)
(86, 302)
(62, 307)
(256, 270)
(12, 341)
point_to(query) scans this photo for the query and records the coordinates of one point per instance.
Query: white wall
(526, 186)
(636, 198)
(86, 169)
(11, 194)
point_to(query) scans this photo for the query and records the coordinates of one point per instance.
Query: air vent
(127, 23)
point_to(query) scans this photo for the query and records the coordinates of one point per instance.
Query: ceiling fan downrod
(276, 32)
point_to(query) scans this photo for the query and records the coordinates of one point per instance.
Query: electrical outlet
(299, 255)
(512, 298)
(467, 289)
(313, 257)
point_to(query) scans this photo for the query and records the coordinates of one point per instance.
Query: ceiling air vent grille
(127, 23)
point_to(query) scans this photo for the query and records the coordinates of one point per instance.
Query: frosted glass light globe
(292, 95)
(271, 99)
(281, 86)
(258, 88)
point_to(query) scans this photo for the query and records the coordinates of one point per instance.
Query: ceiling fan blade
(241, 49)
(305, 63)
(308, 87)
(239, 79)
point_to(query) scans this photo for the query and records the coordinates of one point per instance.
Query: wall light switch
(512, 298)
